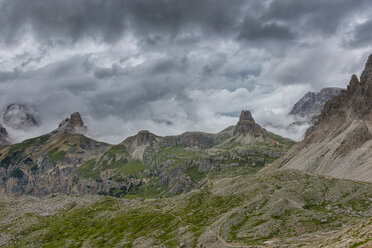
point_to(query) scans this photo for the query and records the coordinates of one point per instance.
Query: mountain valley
(241, 187)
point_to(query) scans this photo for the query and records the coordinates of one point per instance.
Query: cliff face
(339, 143)
(4, 137)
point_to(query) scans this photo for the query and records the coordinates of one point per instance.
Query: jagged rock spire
(247, 125)
(246, 116)
(353, 84)
(355, 102)
(73, 124)
(366, 77)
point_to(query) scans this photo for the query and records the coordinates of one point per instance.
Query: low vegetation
(287, 208)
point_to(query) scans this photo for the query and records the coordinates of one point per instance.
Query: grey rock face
(19, 117)
(312, 103)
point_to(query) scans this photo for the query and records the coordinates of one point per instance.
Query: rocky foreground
(275, 209)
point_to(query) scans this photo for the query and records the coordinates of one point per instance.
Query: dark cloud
(255, 30)
(63, 22)
(10, 75)
(315, 15)
(362, 35)
(58, 22)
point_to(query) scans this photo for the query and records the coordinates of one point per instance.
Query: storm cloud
(173, 66)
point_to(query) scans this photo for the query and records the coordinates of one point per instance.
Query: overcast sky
(173, 66)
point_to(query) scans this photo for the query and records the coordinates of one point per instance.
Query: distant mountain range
(66, 161)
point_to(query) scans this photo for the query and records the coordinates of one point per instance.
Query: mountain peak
(144, 137)
(312, 103)
(338, 145)
(247, 125)
(76, 120)
(73, 124)
(353, 84)
(366, 77)
(19, 116)
(355, 102)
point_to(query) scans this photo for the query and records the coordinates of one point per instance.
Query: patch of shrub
(17, 173)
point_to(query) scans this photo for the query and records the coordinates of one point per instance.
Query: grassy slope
(287, 207)
(164, 161)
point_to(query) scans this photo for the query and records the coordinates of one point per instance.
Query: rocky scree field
(271, 209)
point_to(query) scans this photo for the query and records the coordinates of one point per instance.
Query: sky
(172, 66)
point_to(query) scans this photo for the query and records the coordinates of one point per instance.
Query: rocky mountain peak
(246, 116)
(312, 103)
(73, 124)
(144, 137)
(355, 102)
(76, 120)
(366, 77)
(247, 125)
(338, 145)
(19, 116)
(353, 84)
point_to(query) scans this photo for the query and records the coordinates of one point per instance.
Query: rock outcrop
(19, 117)
(4, 137)
(137, 144)
(339, 143)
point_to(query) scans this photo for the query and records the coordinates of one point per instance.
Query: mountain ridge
(339, 143)
(141, 163)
